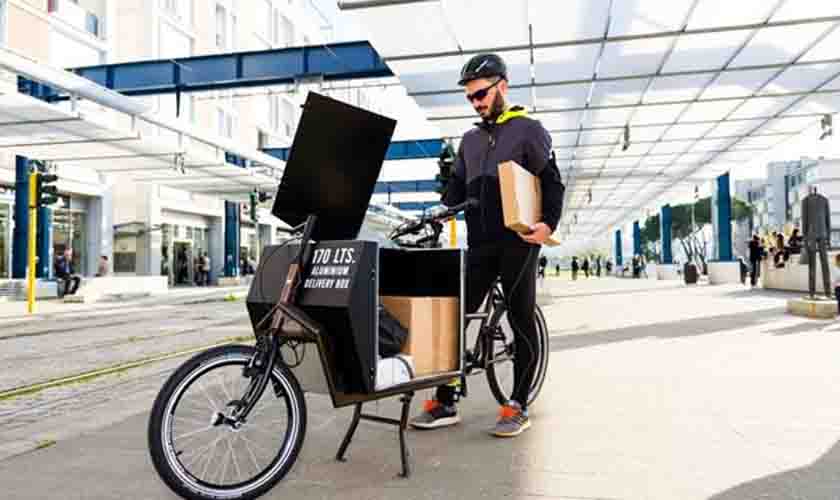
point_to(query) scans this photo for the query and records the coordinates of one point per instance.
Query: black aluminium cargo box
(333, 167)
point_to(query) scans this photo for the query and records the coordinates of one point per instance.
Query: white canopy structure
(181, 157)
(643, 98)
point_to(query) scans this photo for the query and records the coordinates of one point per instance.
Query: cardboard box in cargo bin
(521, 198)
(432, 324)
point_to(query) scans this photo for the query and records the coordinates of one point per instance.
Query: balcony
(76, 16)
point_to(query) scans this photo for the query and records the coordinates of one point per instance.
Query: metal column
(44, 245)
(666, 221)
(722, 219)
(232, 236)
(637, 239)
(618, 260)
(21, 234)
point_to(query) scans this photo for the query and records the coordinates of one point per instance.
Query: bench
(794, 276)
(94, 289)
(19, 289)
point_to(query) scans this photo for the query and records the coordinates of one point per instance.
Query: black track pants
(516, 265)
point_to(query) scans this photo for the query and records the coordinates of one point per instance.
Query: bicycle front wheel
(500, 372)
(202, 454)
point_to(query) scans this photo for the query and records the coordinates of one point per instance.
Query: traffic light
(46, 192)
(446, 164)
(253, 197)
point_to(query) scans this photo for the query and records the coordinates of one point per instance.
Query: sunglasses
(481, 93)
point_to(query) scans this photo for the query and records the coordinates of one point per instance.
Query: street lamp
(696, 196)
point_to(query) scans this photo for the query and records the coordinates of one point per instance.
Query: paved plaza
(655, 390)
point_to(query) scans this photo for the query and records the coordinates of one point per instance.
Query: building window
(289, 118)
(264, 24)
(234, 27)
(286, 35)
(226, 123)
(274, 112)
(221, 27)
(180, 10)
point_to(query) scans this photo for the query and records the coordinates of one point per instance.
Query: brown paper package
(432, 324)
(521, 198)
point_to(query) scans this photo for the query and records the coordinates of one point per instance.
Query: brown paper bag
(432, 324)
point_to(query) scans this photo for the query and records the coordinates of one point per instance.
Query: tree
(650, 235)
(692, 239)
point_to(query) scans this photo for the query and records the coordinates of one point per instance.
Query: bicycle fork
(259, 371)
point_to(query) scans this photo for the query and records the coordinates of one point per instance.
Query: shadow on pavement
(803, 327)
(763, 293)
(672, 329)
(817, 481)
(631, 291)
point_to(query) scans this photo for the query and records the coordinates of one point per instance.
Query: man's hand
(540, 232)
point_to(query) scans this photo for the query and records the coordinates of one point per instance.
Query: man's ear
(503, 87)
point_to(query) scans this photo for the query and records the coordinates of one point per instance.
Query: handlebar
(432, 219)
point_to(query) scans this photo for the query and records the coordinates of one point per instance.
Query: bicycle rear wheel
(500, 373)
(199, 453)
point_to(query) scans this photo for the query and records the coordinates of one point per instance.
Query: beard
(497, 107)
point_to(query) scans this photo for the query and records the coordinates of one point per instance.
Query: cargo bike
(230, 422)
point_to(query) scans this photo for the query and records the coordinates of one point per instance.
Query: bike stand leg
(406, 401)
(350, 431)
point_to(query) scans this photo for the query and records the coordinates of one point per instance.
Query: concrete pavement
(17, 310)
(654, 391)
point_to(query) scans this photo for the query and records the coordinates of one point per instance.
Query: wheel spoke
(193, 433)
(201, 388)
(251, 452)
(187, 419)
(210, 456)
(224, 387)
(223, 471)
(235, 463)
(258, 447)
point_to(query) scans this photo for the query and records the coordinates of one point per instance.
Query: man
(575, 268)
(205, 269)
(103, 266)
(756, 252)
(542, 265)
(64, 272)
(504, 133)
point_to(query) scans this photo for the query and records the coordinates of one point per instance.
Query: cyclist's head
(484, 79)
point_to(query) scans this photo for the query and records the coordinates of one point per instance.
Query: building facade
(58, 33)
(777, 200)
(144, 228)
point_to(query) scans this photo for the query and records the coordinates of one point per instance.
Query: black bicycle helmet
(483, 66)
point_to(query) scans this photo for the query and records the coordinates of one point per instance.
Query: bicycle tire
(493, 376)
(162, 447)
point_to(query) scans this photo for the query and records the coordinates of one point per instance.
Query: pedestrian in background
(103, 266)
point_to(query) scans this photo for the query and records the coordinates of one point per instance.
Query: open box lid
(333, 166)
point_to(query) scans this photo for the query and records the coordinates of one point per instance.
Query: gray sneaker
(512, 421)
(435, 415)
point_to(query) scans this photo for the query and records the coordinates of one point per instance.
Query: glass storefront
(5, 240)
(181, 247)
(69, 231)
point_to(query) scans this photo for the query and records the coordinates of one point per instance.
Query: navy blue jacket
(515, 137)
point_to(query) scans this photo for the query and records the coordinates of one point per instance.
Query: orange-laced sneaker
(511, 422)
(435, 415)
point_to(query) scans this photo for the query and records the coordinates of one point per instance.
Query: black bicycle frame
(257, 386)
